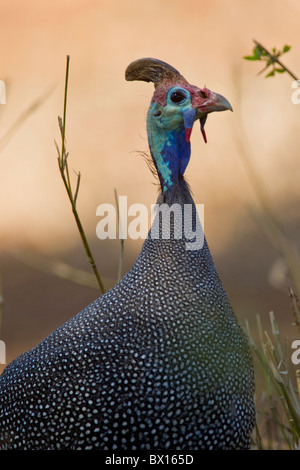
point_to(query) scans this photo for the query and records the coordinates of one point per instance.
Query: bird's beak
(214, 102)
(208, 103)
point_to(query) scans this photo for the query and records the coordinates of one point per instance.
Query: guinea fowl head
(175, 106)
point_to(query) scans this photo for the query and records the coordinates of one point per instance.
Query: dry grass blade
(279, 416)
(298, 381)
(23, 117)
(64, 171)
(60, 269)
(295, 308)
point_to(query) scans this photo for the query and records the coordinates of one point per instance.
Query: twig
(274, 58)
(64, 171)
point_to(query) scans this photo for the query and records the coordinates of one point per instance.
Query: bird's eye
(177, 96)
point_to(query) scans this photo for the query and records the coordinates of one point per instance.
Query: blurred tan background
(106, 128)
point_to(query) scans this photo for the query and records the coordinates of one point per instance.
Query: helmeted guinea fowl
(159, 361)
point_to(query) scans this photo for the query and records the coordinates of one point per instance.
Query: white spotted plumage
(149, 365)
(159, 362)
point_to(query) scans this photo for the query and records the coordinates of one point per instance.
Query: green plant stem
(294, 415)
(275, 59)
(82, 233)
(63, 129)
(295, 309)
(64, 171)
(268, 358)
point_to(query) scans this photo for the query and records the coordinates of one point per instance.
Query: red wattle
(188, 131)
(204, 135)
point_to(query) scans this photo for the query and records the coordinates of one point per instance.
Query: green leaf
(280, 70)
(286, 48)
(250, 57)
(257, 52)
(271, 74)
(262, 52)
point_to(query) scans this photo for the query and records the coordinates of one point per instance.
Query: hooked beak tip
(220, 103)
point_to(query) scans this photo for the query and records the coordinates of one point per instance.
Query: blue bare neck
(169, 149)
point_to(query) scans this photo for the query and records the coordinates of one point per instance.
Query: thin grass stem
(64, 171)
